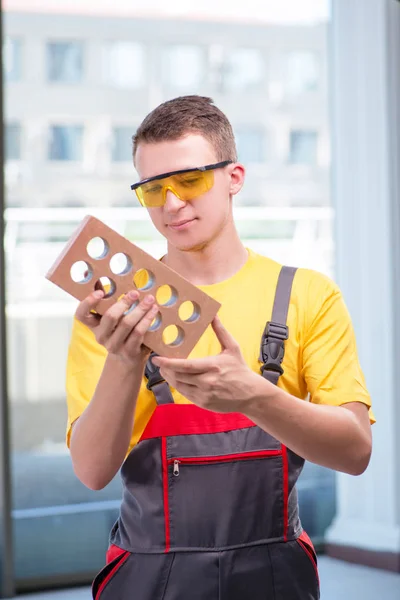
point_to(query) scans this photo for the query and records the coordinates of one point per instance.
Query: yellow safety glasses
(186, 184)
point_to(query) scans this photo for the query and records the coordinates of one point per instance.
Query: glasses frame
(218, 165)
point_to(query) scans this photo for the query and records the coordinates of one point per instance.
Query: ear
(238, 173)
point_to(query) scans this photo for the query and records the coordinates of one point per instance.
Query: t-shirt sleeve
(85, 363)
(331, 366)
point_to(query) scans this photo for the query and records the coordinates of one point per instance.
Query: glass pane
(122, 144)
(250, 145)
(244, 69)
(13, 141)
(124, 64)
(302, 72)
(12, 59)
(183, 66)
(303, 147)
(65, 142)
(65, 62)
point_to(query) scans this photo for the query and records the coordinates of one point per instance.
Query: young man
(209, 464)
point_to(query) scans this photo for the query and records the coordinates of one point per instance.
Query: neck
(216, 261)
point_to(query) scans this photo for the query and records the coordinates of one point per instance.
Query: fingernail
(149, 299)
(98, 294)
(132, 295)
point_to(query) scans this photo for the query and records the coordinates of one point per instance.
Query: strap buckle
(152, 373)
(273, 347)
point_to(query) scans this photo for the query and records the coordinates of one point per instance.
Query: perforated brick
(97, 256)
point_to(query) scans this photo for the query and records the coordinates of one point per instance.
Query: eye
(189, 180)
(153, 189)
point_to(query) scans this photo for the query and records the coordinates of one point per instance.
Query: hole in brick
(166, 295)
(107, 285)
(120, 264)
(143, 279)
(97, 248)
(81, 272)
(189, 311)
(156, 322)
(173, 335)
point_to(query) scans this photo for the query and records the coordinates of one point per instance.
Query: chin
(189, 246)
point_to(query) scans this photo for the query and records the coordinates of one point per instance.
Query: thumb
(224, 337)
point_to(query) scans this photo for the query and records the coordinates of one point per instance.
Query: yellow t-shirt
(320, 355)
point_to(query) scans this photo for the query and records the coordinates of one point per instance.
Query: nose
(172, 202)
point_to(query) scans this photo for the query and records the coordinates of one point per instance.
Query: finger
(112, 317)
(182, 365)
(133, 334)
(180, 377)
(145, 322)
(168, 376)
(188, 391)
(134, 323)
(226, 340)
(84, 312)
(134, 316)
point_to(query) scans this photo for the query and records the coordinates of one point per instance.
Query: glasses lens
(192, 184)
(186, 186)
(138, 192)
(151, 193)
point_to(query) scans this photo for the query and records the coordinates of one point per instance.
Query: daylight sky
(268, 11)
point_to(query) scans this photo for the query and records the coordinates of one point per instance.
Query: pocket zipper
(209, 460)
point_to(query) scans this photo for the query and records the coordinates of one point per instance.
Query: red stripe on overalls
(308, 547)
(165, 493)
(186, 419)
(111, 574)
(285, 469)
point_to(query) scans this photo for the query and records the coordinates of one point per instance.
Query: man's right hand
(122, 327)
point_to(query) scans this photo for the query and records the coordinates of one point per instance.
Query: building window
(183, 66)
(124, 64)
(65, 62)
(250, 145)
(303, 147)
(12, 59)
(65, 142)
(243, 69)
(122, 144)
(13, 141)
(301, 73)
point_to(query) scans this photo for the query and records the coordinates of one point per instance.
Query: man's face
(189, 225)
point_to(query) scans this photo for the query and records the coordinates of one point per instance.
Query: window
(91, 80)
(12, 59)
(122, 144)
(13, 141)
(65, 142)
(303, 147)
(65, 62)
(243, 69)
(183, 66)
(301, 73)
(124, 64)
(250, 145)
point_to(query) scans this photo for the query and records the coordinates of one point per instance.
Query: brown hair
(188, 114)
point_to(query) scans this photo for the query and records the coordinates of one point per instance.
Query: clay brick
(75, 256)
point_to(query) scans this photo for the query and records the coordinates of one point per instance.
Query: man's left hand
(222, 383)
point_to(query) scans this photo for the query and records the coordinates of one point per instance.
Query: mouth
(179, 225)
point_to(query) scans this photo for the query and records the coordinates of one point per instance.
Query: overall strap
(276, 331)
(156, 383)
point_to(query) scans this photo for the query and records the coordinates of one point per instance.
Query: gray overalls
(210, 509)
